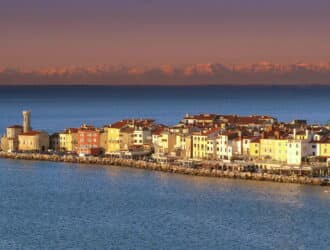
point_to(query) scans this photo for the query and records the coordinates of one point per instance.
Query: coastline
(170, 168)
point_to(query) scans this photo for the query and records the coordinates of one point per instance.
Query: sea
(47, 205)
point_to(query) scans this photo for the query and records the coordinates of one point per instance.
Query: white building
(224, 149)
(142, 136)
(296, 150)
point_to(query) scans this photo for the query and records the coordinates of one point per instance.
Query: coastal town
(253, 143)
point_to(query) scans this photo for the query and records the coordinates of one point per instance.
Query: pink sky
(154, 32)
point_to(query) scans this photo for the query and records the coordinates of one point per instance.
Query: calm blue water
(54, 108)
(61, 206)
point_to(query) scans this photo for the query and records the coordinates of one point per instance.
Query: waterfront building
(274, 149)
(165, 144)
(324, 147)
(88, 140)
(226, 145)
(33, 141)
(156, 134)
(142, 136)
(4, 144)
(200, 143)
(246, 145)
(296, 151)
(211, 148)
(119, 133)
(24, 138)
(12, 134)
(113, 132)
(126, 138)
(255, 148)
(183, 145)
(54, 142)
(68, 140)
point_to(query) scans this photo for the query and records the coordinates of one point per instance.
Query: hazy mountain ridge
(209, 73)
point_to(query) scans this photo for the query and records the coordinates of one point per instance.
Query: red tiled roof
(210, 131)
(119, 124)
(136, 122)
(32, 133)
(158, 131)
(324, 141)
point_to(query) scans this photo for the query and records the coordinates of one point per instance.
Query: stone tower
(26, 121)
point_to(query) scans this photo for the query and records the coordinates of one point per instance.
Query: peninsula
(255, 147)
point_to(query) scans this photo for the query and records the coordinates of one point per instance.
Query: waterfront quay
(247, 147)
(309, 176)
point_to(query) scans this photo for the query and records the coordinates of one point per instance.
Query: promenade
(234, 171)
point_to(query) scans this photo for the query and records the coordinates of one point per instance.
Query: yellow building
(4, 144)
(12, 138)
(201, 143)
(68, 140)
(274, 149)
(301, 135)
(113, 136)
(255, 148)
(113, 139)
(183, 145)
(324, 148)
(165, 144)
(33, 141)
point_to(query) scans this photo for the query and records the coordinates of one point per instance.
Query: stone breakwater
(202, 171)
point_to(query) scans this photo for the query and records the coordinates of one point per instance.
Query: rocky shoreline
(203, 171)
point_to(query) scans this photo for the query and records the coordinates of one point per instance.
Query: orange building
(88, 140)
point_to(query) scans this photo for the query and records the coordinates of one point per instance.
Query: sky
(44, 33)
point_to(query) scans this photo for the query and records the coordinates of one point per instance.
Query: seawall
(209, 172)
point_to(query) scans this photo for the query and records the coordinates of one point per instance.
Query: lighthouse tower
(26, 121)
